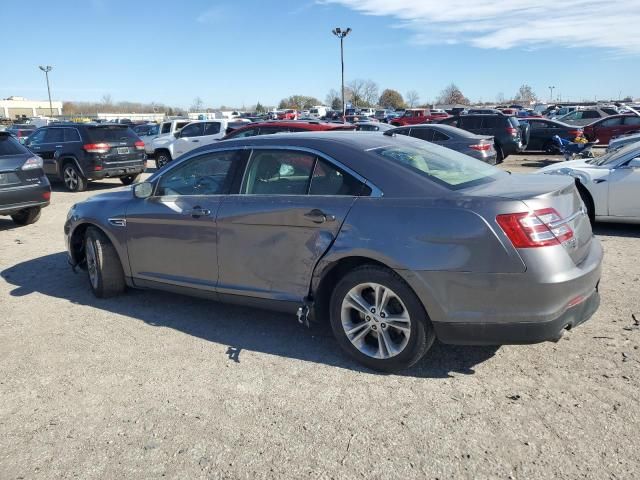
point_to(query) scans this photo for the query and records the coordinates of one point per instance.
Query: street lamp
(46, 71)
(341, 34)
(551, 90)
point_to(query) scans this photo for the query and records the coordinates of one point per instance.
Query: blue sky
(243, 51)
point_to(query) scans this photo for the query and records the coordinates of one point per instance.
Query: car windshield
(615, 156)
(445, 167)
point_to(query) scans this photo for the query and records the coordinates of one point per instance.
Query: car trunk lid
(543, 195)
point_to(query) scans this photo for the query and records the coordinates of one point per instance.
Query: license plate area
(123, 150)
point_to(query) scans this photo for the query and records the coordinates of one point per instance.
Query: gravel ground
(153, 385)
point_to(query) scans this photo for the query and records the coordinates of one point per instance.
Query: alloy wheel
(92, 264)
(375, 320)
(71, 178)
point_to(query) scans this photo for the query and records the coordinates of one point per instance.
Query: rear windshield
(10, 146)
(111, 133)
(445, 167)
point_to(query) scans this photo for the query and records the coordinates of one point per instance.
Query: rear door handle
(195, 140)
(318, 216)
(197, 212)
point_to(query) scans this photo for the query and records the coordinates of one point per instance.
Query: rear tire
(391, 339)
(104, 269)
(129, 179)
(73, 178)
(26, 216)
(162, 158)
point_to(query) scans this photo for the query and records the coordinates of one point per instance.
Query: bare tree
(412, 98)
(106, 99)
(197, 105)
(500, 97)
(363, 93)
(525, 95)
(452, 95)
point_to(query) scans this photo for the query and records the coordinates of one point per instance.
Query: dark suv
(76, 153)
(24, 189)
(508, 134)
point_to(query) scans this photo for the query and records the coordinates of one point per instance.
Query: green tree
(299, 102)
(391, 99)
(260, 108)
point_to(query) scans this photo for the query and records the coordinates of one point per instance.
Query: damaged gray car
(394, 241)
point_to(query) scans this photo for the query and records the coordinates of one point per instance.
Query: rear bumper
(496, 308)
(119, 171)
(18, 198)
(517, 333)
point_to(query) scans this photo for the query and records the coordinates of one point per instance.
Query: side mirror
(142, 190)
(176, 134)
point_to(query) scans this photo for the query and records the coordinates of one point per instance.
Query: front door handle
(318, 216)
(197, 212)
(195, 141)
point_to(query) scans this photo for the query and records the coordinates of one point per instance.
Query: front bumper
(518, 333)
(14, 199)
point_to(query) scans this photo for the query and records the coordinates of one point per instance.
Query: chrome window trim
(376, 192)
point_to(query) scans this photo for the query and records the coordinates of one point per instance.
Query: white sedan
(609, 185)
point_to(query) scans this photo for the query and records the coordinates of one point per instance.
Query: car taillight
(46, 195)
(139, 145)
(575, 133)
(481, 147)
(32, 163)
(512, 131)
(96, 147)
(540, 228)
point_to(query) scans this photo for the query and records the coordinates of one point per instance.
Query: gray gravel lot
(153, 385)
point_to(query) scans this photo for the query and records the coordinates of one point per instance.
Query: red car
(288, 115)
(277, 126)
(612, 126)
(413, 116)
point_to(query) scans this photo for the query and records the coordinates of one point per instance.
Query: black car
(542, 131)
(76, 153)
(509, 135)
(24, 188)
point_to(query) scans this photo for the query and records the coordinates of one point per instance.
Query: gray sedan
(393, 240)
(619, 142)
(476, 146)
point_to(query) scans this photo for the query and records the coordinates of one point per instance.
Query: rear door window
(439, 136)
(54, 135)
(422, 134)
(192, 130)
(71, 135)
(490, 122)
(327, 179)
(611, 122)
(278, 172)
(471, 123)
(211, 128)
(632, 121)
(166, 128)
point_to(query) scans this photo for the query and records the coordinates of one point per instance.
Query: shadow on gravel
(238, 328)
(7, 224)
(617, 230)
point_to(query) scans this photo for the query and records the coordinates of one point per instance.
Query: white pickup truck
(165, 135)
(193, 135)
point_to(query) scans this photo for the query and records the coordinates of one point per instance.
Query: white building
(19, 107)
(146, 117)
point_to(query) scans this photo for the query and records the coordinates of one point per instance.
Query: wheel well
(65, 160)
(585, 194)
(330, 277)
(160, 150)
(76, 243)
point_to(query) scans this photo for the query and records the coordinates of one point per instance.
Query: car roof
(448, 129)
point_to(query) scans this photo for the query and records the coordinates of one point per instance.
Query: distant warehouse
(20, 107)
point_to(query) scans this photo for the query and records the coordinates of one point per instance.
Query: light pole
(551, 90)
(46, 71)
(341, 34)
